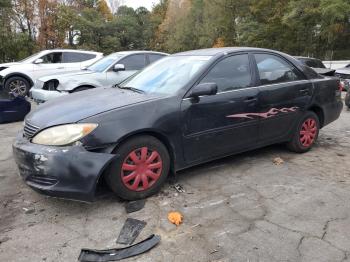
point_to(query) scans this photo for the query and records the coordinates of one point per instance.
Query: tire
(17, 85)
(347, 99)
(128, 179)
(306, 133)
(81, 88)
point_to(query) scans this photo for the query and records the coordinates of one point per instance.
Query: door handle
(304, 91)
(61, 67)
(250, 99)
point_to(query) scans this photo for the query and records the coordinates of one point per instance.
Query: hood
(9, 64)
(344, 71)
(71, 74)
(324, 71)
(78, 106)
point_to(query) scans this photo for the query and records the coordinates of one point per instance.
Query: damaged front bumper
(41, 95)
(66, 172)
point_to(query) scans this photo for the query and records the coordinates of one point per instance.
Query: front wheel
(140, 169)
(306, 133)
(17, 85)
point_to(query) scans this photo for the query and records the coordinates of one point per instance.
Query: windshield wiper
(131, 88)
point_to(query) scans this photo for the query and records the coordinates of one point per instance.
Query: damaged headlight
(63, 135)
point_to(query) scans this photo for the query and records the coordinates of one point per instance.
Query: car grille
(343, 76)
(30, 130)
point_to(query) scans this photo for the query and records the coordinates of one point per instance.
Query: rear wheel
(306, 133)
(17, 85)
(141, 168)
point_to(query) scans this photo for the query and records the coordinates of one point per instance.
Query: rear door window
(75, 57)
(273, 70)
(230, 73)
(134, 62)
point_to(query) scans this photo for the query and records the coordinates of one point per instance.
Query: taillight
(341, 86)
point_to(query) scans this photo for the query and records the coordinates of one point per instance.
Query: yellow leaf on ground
(175, 218)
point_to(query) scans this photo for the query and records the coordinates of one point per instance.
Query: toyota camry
(183, 110)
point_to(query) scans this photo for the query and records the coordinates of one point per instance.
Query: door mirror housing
(118, 67)
(205, 89)
(39, 61)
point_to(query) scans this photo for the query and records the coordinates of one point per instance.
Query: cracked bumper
(65, 172)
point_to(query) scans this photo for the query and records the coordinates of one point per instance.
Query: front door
(213, 125)
(52, 64)
(283, 97)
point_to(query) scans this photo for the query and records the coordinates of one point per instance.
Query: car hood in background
(345, 71)
(9, 64)
(324, 71)
(81, 105)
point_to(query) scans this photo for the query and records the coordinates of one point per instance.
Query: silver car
(108, 71)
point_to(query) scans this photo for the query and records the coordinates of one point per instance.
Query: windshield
(168, 75)
(104, 63)
(29, 58)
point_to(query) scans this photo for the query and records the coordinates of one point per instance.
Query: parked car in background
(344, 75)
(185, 109)
(19, 77)
(13, 108)
(317, 65)
(106, 72)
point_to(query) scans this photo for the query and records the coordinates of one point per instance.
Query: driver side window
(52, 58)
(230, 73)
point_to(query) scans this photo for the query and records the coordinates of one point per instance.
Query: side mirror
(118, 67)
(39, 61)
(205, 89)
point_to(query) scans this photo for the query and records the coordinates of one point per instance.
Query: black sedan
(181, 111)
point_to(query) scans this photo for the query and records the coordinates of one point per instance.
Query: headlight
(63, 135)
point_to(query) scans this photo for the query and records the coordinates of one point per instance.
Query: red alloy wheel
(308, 132)
(141, 169)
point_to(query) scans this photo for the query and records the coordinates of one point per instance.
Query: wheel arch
(150, 132)
(319, 112)
(80, 86)
(30, 81)
(157, 134)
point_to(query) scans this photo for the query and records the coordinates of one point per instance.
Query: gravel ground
(241, 208)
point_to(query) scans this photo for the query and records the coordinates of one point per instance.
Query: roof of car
(221, 50)
(139, 51)
(70, 50)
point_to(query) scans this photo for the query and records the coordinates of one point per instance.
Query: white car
(108, 71)
(20, 76)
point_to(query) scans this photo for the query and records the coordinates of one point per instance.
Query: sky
(137, 3)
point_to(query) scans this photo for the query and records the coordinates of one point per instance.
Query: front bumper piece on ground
(41, 95)
(65, 172)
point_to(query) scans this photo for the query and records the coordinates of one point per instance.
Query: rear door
(132, 64)
(212, 126)
(284, 94)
